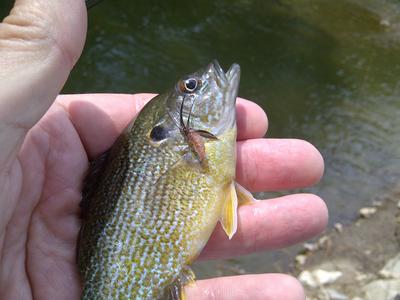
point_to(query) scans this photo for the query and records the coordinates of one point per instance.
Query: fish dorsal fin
(96, 168)
(228, 217)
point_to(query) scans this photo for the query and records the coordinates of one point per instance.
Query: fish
(150, 203)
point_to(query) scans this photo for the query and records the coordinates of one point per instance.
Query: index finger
(100, 118)
(262, 286)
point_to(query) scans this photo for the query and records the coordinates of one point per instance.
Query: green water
(325, 71)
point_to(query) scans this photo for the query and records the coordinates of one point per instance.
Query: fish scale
(152, 205)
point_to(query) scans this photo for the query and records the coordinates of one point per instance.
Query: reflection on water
(325, 71)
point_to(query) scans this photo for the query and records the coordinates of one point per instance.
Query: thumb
(40, 41)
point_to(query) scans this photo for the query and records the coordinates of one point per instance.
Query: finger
(251, 120)
(100, 118)
(277, 164)
(255, 287)
(270, 224)
(262, 164)
(40, 41)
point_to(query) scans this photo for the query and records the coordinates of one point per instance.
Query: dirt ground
(347, 262)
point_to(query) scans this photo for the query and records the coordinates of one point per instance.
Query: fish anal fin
(243, 195)
(228, 217)
(177, 288)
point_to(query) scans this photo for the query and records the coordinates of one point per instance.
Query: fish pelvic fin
(177, 288)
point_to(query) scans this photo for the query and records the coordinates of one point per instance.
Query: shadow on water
(325, 71)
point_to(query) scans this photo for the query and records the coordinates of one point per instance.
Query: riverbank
(356, 262)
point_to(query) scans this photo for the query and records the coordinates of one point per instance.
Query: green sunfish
(152, 201)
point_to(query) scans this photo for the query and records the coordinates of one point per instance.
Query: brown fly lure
(194, 137)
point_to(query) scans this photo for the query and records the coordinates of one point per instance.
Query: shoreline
(360, 261)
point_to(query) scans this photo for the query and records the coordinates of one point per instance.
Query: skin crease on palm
(45, 145)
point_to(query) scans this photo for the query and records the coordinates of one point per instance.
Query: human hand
(42, 165)
(54, 158)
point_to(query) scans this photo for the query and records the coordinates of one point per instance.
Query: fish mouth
(229, 80)
(228, 85)
(233, 78)
(233, 74)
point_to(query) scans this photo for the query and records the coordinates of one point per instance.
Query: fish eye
(189, 85)
(158, 133)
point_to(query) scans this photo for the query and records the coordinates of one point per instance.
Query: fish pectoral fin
(234, 195)
(243, 195)
(177, 291)
(228, 217)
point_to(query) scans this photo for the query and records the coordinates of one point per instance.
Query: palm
(38, 253)
(41, 239)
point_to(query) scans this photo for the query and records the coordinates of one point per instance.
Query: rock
(392, 268)
(319, 277)
(310, 246)
(301, 259)
(338, 227)
(385, 23)
(364, 277)
(307, 278)
(357, 298)
(382, 289)
(335, 295)
(367, 252)
(366, 212)
(377, 203)
(324, 242)
(398, 204)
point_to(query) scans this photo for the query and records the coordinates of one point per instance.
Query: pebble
(382, 289)
(336, 295)
(338, 227)
(363, 277)
(366, 212)
(301, 259)
(377, 203)
(324, 242)
(392, 268)
(319, 277)
(368, 252)
(310, 246)
(385, 23)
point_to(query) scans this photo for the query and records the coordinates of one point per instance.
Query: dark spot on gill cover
(158, 133)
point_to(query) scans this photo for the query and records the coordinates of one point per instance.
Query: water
(325, 71)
